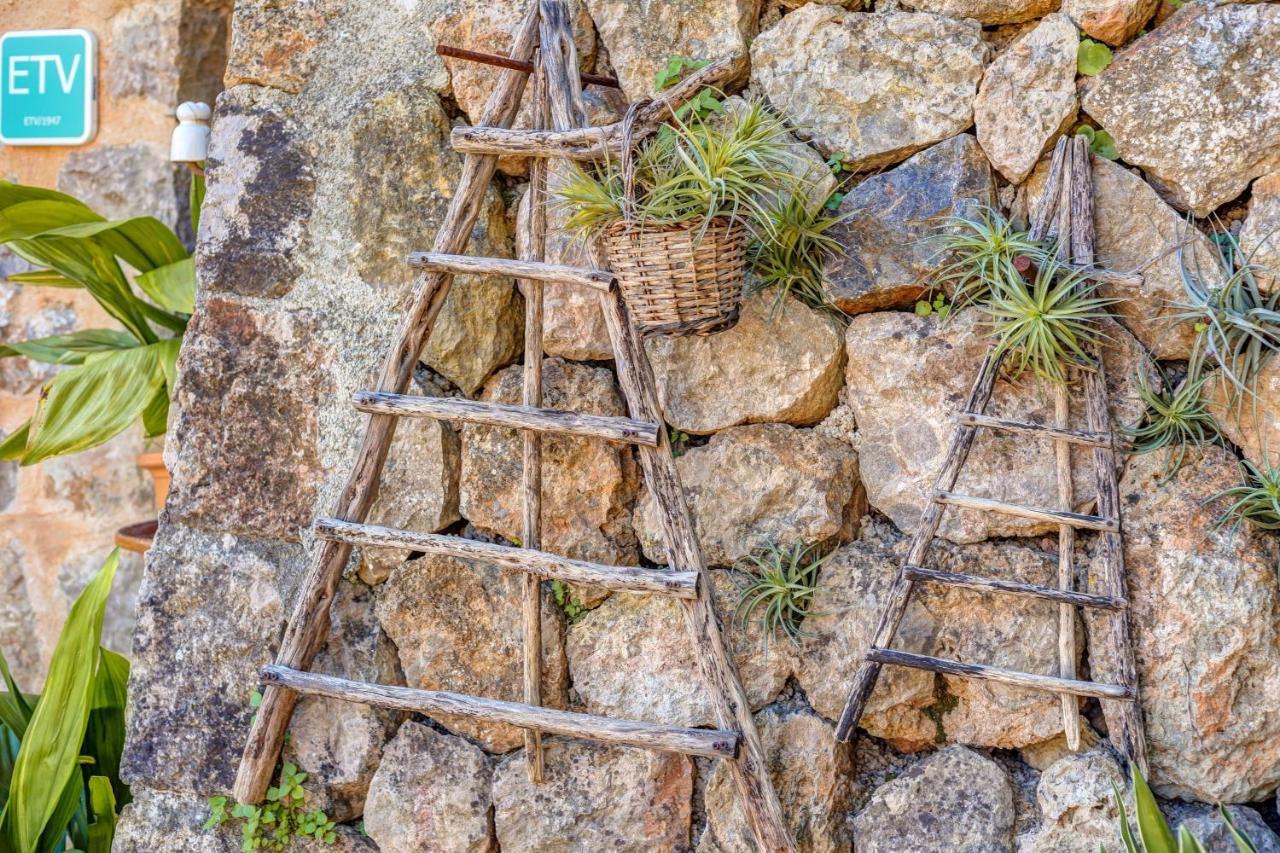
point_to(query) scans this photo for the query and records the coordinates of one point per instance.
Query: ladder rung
(1089, 439)
(981, 584)
(1004, 676)
(517, 417)
(1053, 516)
(539, 563)
(711, 743)
(532, 270)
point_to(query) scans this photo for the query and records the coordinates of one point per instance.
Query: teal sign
(48, 87)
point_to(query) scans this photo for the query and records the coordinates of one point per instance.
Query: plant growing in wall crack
(1154, 832)
(143, 277)
(1176, 417)
(776, 589)
(277, 822)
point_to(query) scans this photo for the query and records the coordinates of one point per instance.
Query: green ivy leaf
(924, 308)
(1092, 57)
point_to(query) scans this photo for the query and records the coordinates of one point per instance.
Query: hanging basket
(677, 281)
(679, 278)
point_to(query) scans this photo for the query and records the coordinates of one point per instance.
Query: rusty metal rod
(513, 64)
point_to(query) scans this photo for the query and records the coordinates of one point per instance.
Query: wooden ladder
(543, 42)
(1065, 212)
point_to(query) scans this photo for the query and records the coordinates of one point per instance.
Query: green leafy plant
(1100, 142)
(778, 588)
(113, 377)
(1176, 418)
(278, 821)
(791, 259)
(679, 440)
(1256, 500)
(60, 752)
(1154, 833)
(1046, 323)
(1092, 57)
(701, 105)
(938, 305)
(573, 608)
(977, 252)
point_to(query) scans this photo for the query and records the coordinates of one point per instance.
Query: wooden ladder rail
(308, 626)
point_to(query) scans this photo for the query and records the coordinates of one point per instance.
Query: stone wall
(330, 160)
(57, 519)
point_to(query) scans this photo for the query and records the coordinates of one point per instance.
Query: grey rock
(987, 11)
(888, 258)
(1260, 236)
(119, 181)
(17, 618)
(875, 88)
(1205, 823)
(118, 621)
(1190, 103)
(1078, 813)
(170, 822)
(20, 376)
(144, 47)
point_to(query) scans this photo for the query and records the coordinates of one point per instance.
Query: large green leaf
(102, 802)
(71, 348)
(11, 194)
(29, 219)
(142, 242)
(104, 734)
(172, 286)
(42, 278)
(49, 757)
(90, 403)
(195, 198)
(1156, 835)
(15, 443)
(15, 710)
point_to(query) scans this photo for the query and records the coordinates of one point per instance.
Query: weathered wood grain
(609, 428)
(1088, 439)
(1004, 676)
(538, 563)
(523, 269)
(1066, 568)
(505, 62)
(985, 584)
(709, 743)
(1052, 516)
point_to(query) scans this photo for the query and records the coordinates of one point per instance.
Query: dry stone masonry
(330, 161)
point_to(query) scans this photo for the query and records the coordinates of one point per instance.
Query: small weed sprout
(1175, 419)
(779, 589)
(1256, 500)
(274, 824)
(979, 252)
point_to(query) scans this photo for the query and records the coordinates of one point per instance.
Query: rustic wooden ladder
(1065, 212)
(558, 89)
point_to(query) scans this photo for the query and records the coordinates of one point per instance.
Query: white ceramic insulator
(190, 140)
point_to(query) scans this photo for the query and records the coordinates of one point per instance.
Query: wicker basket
(677, 281)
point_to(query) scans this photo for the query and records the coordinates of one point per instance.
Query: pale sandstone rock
(875, 88)
(1028, 97)
(1260, 236)
(457, 627)
(907, 377)
(641, 37)
(1133, 226)
(632, 657)
(1192, 104)
(811, 773)
(587, 485)
(1041, 756)
(1078, 813)
(762, 483)
(888, 259)
(275, 44)
(1249, 419)
(339, 744)
(987, 11)
(1110, 21)
(955, 801)
(1203, 605)
(593, 798)
(431, 792)
(780, 365)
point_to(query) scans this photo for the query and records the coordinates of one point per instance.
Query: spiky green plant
(1154, 833)
(1238, 324)
(779, 588)
(978, 251)
(791, 260)
(1045, 323)
(1176, 418)
(1256, 500)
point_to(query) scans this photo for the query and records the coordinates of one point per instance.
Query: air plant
(1176, 418)
(780, 588)
(1256, 500)
(791, 260)
(979, 252)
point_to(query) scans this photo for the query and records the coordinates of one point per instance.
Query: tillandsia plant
(143, 277)
(1154, 833)
(791, 260)
(1255, 501)
(778, 588)
(978, 252)
(1177, 417)
(1044, 324)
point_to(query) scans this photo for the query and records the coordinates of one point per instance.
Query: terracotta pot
(153, 464)
(138, 537)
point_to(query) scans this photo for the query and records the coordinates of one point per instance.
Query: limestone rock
(170, 822)
(955, 801)
(810, 772)
(987, 11)
(419, 488)
(888, 260)
(1191, 104)
(209, 615)
(1260, 236)
(875, 88)
(1203, 604)
(339, 744)
(251, 384)
(1078, 812)
(431, 792)
(17, 619)
(1110, 21)
(274, 44)
(641, 38)
(1028, 97)
(631, 657)
(21, 376)
(1041, 756)
(119, 181)
(457, 626)
(594, 797)
(1249, 421)
(587, 485)
(781, 366)
(755, 484)
(907, 376)
(1133, 225)
(401, 198)
(1205, 823)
